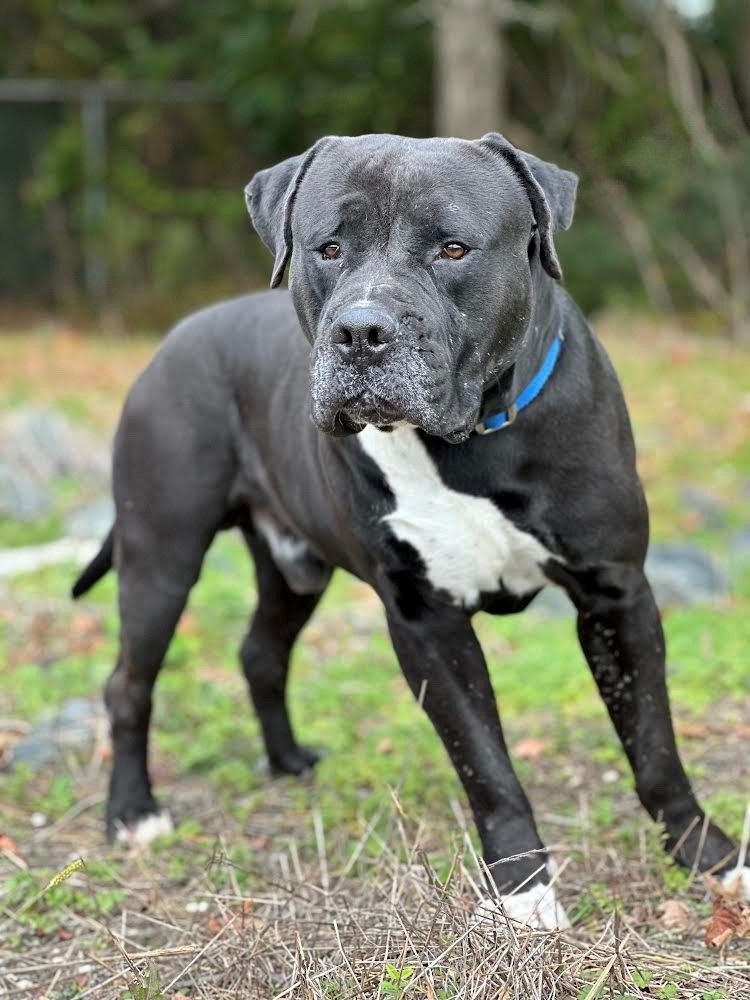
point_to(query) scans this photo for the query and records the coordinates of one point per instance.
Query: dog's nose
(363, 333)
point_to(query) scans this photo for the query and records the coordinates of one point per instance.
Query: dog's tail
(96, 569)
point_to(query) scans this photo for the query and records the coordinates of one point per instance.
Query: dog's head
(412, 269)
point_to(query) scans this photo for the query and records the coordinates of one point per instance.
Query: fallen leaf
(530, 748)
(219, 920)
(692, 730)
(729, 919)
(9, 845)
(673, 915)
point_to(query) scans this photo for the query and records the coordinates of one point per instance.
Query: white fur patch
(537, 908)
(284, 547)
(141, 834)
(465, 542)
(737, 883)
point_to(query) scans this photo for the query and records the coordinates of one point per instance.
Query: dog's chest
(467, 545)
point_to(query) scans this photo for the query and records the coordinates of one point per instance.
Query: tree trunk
(469, 68)
(743, 61)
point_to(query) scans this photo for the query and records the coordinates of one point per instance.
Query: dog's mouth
(344, 401)
(371, 408)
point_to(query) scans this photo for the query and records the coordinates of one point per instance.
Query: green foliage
(146, 987)
(278, 74)
(48, 907)
(395, 980)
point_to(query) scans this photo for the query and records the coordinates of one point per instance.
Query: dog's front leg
(445, 668)
(622, 638)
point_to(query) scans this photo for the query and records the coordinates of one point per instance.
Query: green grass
(347, 694)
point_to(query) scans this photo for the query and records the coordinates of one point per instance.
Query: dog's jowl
(426, 408)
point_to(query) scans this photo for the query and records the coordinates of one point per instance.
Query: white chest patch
(465, 542)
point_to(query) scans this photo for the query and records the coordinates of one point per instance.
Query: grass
(261, 876)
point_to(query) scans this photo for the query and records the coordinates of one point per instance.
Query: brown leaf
(729, 920)
(9, 845)
(530, 748)
(673, 915)
(692, 730)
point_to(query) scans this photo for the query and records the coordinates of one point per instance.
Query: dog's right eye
(331, 251)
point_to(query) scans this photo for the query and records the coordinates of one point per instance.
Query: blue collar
(497, 421)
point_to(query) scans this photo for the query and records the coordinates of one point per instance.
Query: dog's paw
(736, 883)
(295, 760)
(142, 831)
(537, 908)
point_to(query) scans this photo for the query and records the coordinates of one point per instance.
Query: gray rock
(22, 496)
(38, 447)
(739, 551)
(74, 726)
(552, 602)
(92, 520)
(682, 574)
(712, 510)
(47, 445)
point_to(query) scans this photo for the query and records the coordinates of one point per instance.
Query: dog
(426, 408)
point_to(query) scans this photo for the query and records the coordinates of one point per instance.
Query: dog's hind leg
(279, 617)
(155, 575)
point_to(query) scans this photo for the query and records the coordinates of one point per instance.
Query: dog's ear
(551, 191)
(270, 197)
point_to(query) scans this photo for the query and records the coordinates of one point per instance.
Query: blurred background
(128, 129)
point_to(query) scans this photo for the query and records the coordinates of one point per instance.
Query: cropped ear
(270, 197)
(550, 189)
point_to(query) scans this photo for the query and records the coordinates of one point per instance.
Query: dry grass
(385, 925)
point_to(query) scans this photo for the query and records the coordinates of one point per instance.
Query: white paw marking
(737, 883)
(538, 908)
(465, 542)
(141, 834)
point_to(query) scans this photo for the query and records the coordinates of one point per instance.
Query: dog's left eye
(453, 251)
(331, 251)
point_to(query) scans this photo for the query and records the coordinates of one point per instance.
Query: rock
(552, 602)
(74, 726)
(22, 496)
(710, 509)
(739, 551)
(682, 574)
(47, 445)
(92, 520)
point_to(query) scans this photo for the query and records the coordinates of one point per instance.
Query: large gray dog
(423, 315)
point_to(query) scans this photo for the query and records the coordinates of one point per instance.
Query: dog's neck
(544, 325)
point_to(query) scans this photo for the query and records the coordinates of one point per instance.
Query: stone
(682, 574)
(712, 511)
(74, 726)
(22, 496)
(91, 520)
